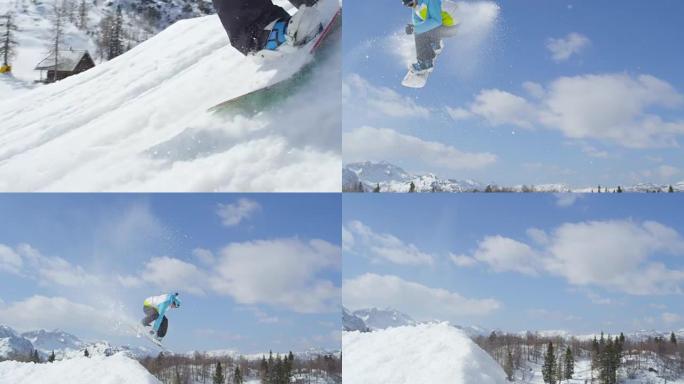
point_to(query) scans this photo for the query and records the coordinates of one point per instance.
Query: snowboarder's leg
(245, 22)
(163, 327)
(445, 32)
(424, 46)
(150, 316)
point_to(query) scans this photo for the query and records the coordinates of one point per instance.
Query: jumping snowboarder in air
(431, 23)
(155, 308)
(256, 25)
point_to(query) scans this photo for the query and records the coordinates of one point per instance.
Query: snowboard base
(144, 332)
(415, 80)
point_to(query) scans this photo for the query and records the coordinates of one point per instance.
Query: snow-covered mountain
(375, 318)
(53, 340)
(12, 344)
(118, 368)
(351, 322)
(141, 121)
(425, 353)
(391, 178)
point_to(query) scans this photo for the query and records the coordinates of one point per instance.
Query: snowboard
(142, 331)
(257, 100)
(416, 80)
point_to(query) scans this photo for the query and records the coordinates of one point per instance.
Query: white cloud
(173, 274)
(552, 315)
(667, 171)
(55, 270)
(563, 48)
(205, 256)
(10, 261)
(616, 255)
(504, 254)
(614, 108)
(420, 301)
(567, 199)
(459, 113)
(386, 247)
(38, 312)
(377, 144)
(463, 260)
(672, 318)
(347, 239)
(381, 100)
(282, 272)
(233, 214)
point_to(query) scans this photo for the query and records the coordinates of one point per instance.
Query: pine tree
(619, 189)
(263, 371)
(35, 357)
(569, 364)
(237, 376)
(83, 15)
(86, 353)
(361, 189)
(377, 188)
(116, 36)
(549, 367)
(58, 24)
(412, 187)
(508, 365)
(218, 374)
(7, 29)
(673, 338)
(51, 358)
(670, 189)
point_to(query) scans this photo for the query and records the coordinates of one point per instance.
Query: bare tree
(8, 46)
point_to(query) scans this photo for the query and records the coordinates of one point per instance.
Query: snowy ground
(117, 369)
(426, 354)
(140, 123)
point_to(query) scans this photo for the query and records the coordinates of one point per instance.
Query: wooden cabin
(69, 63)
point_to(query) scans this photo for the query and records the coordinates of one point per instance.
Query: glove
(409, 29)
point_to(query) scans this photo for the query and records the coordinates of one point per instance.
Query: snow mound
(428, 354)
(140, 123)
(117, 369)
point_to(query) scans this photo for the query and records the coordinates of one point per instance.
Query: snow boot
(278, 34)
(421, 67)
(304, 25)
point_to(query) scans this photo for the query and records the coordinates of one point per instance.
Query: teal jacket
(427, 16)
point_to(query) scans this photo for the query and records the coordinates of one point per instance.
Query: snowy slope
(140, 122)
(117, 369)
(426, 354)
(376, 319)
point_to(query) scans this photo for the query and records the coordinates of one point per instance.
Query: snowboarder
(155, 308)
(256, 25)
(431, 23)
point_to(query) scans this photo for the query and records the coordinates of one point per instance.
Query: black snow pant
(425, 41)
(245, 20)
(151, 315)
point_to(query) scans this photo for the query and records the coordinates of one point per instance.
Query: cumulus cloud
(10, 261)
(618, 255)
(567, 199)
(24, 259)
(422, 302)
(284, 273)
(563, 48)
(463, 261)
(377, 144)
(169, 273)
(233, 214)
(41, 312)
(385, 247)
(381, 100)
(504, 254)
(615, 108)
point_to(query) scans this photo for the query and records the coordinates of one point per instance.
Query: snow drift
(428, 353)
(140, 123)
(117, 369)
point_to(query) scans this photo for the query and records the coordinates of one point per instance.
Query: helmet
(175, 300)
(409, 3)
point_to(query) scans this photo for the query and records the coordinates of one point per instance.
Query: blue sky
(532, 262)
(530, 92)
(255, 272)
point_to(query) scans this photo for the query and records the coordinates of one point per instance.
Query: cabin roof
(68, 60)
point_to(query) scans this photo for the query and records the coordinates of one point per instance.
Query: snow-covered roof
(68, 60)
